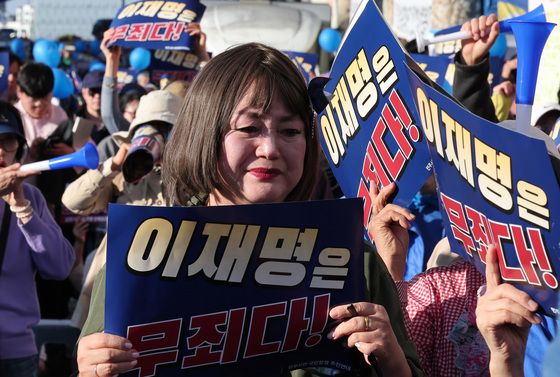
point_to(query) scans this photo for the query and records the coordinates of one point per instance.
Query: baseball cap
(9, 123)
(93, 79)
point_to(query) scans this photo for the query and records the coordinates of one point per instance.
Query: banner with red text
(233, 290)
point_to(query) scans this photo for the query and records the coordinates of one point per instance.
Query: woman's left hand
(371, 333)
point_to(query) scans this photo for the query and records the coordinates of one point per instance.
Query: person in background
(30, 242)
(94, 190)
(503, 94)
(10, 95)
(91, 93)
(35, 84)
(456, 332)
(143, 79)
(129, 98)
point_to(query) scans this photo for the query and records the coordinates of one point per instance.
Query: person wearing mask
(93, 191)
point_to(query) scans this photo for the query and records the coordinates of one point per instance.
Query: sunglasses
(93, 91)
(9, 143)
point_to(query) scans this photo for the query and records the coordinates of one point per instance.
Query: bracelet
(24, 214)
(23, 208)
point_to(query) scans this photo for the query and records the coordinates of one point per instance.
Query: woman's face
(262, 155)
(130, 110)
(8, 149)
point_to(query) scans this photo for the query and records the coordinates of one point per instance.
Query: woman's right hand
(112, 54)
(105, 355)
(119, 157)
(10, 181)
(388, 227)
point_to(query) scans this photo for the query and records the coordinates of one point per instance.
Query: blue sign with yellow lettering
(156, 24)
(496, 186)
(369, 129)
(225, 290)
(4, 70)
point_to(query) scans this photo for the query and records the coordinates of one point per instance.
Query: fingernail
(533, 304)
(358, 345)
(330, 335)
(135, 355)
(128, 345)
(537, 318)
(133, 362)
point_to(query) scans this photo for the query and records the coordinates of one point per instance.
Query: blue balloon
(140, 58)
(329, 39)
(63, 86)
(17, 46)
(96, 66)
(95, 47)
(45, 51)
(499, 48)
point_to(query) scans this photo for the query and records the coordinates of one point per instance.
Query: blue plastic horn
(536, 14)
(454, 33)
(87, 157)
(530, 38)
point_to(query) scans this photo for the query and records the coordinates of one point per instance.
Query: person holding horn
(246, 134)
(30, 242)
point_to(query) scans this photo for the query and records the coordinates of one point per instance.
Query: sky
(11, 5)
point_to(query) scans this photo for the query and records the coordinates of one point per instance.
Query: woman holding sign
(246, 134)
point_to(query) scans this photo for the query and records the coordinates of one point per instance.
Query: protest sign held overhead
(175, 65)
(369, 129)
(156, 24)
(231, 289)
(495, 186)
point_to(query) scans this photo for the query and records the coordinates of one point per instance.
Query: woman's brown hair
(191, 155)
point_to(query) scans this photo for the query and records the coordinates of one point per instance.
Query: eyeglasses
(9, 143)
(93, 91)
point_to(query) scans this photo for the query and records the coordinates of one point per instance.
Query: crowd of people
(244, 131)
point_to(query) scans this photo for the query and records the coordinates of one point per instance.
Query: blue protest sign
(440, 69)
(176, 65)
(305, 62)
(495, 186)
(369, 129)
(156, 24)
(4, 70)
(226, 290)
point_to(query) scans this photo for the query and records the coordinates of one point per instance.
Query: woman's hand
(475, 49)
(507, 88)
(388, 227)
(199, 41)
(104, 355)
(112, 54)
(504, 315)
(10, 184)
(368, 328)
(119, 157)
